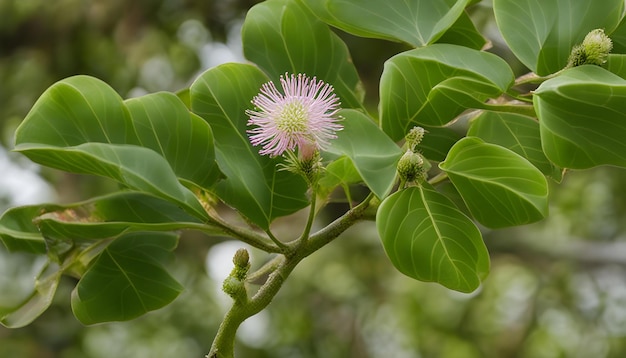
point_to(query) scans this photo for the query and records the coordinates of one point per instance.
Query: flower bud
(411, 166)
(594, 50)
(235, 289)
(242, 264)
(241, 258)
(414, 138)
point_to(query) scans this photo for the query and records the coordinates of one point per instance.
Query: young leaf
(127, 279)
(432, 85)
(500, 187)
(542, 33)
(426, 237)
(253, 183)
(417, 23)
(339, 172)
(517, 133)
(283, 36)
(374, 155)
(582, 114)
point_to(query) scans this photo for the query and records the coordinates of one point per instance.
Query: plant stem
(250, 237)
(309, 223)
(224, 342)
(278, 243)
(223, 345)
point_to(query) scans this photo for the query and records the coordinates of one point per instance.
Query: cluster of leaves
(174, 155)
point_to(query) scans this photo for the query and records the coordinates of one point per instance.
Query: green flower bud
(414, 138)
(242, 264)
(235, 289)
(234, 285)
(411, 167)
(594, 50)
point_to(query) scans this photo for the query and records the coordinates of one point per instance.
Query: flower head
(304, 117)
(594, 50)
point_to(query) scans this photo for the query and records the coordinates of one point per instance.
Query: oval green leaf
(500, 187)
(127, 279)
(427, 238)
(283, 36)
(542, 33)
(582, 114)
(432, 85)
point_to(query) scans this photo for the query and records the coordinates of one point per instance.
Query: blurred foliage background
(556, 289)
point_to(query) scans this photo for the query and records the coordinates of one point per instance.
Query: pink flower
(305, 116)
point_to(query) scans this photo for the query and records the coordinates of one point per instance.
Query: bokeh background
(557, 288)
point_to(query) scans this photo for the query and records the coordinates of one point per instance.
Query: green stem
(438, 178)
(337, 227)
(269, 266)
(223, 345)
(278, 243)
(532, 78)
(309, 223)
(250, 237)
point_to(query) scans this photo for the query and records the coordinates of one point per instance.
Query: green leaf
(127, 279)
(582, 114)
(619, 37)
(83, 109)
(339, 172)
(283, 36)
(617, 65)
(164, 124)
(428, 238)
(500, 187)
(74, 111)
(542, 33)
(136, 167)
(37, 302)
(437, 142)
(418, 23)
(374, 155)
(432, 85)
(464, 33)
(254, 185)
(515, 132)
